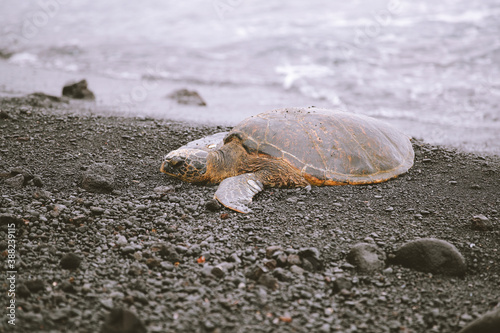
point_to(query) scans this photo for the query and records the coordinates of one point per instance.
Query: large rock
(488, 323)
(366, 257)
(188, 97)
(99, 178)
(78, 90)
(432, 256)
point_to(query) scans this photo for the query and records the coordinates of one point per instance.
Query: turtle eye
(175, 161)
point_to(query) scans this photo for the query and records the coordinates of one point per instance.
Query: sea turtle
(292, 147)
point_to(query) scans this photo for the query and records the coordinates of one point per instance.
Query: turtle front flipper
(236, 193)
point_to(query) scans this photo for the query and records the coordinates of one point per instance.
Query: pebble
(213, 205)
(341, 283)
(271, 250)
(366, 257)
(163, 189)
(268, 281)
(481, 223)
(294, 259)
(35, 286)
(311, 259)
(122, 321)
(121, 240)
(431, 255)
(15, 182)
(6, 219)
(70, 261)
(37, 181)
(296, 270)
(99, 178)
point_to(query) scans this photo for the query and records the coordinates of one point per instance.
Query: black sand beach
(180, 267)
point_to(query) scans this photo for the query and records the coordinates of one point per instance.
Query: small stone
(34, 285)
(97, 210)
(341, 283)
(15, 182)
(67, 287)
(218, 272)
(488, 323)
(128, 249)
(99, 178)
(37, 181)
(213, 205)
(70, 261)
(42, 194)
(122, 321)
(254, 272)
(268, 281)
(78, 90)
(282, 274)
(23, 291)
(121, 240)
(453, 182)
(169, 252)
(6, 219)
(107, 303)
(163, 189)
(296, 270)
(271, 250)
(366, 257)
(311, 257)
(481, 223)
(294, 259)
(431, 255)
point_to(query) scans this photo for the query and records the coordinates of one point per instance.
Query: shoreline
(140, 247)
(147, 98)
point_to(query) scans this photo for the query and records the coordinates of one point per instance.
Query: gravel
(170, 260)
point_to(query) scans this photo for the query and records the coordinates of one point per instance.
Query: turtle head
(187, 164)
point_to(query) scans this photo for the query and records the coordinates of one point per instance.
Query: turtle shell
(328, 147)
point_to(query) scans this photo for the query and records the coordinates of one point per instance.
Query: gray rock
(213, 205)
(15, 182)
(481, 223)
(122, 321)
(163, 189)
(22, 171)
(188, 97)
(271, 250)
(366, 257)
(311, 258)
(6, 219)
(99, 178)
(37, 181)
(296, 270)
(431, 255)
(70, 261)
(78, 90)
(35, 286)
(268, 281)
(294, 259)
(341, 283)
(488, 323)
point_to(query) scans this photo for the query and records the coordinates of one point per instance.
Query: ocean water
(431, 68)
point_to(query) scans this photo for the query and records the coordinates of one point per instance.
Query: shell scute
(336, 147)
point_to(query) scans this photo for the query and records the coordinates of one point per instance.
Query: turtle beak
(170, 163)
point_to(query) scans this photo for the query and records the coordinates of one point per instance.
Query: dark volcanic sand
(437, 198)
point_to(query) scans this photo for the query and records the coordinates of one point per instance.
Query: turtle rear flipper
(236, 193)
